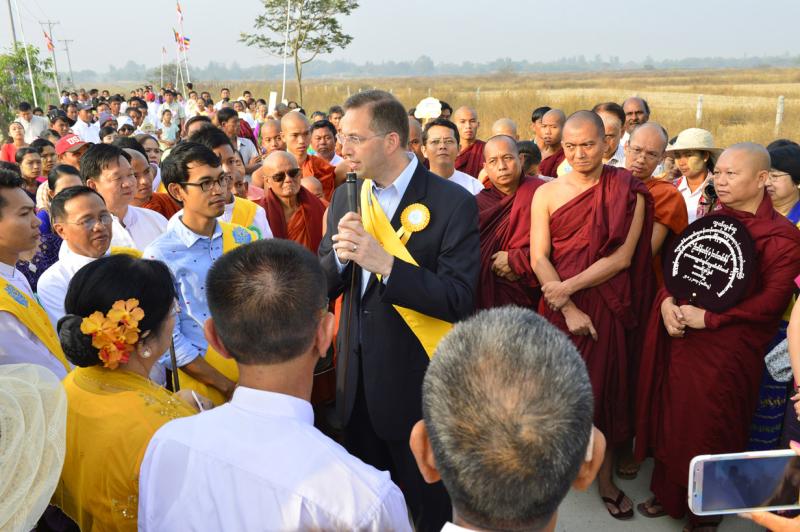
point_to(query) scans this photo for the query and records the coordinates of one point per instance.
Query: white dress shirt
(139, 227)
(474, 186)
(19, 345)
(452, 527)
(247, 149)
(53, 284)
(335, 160)
(692, 199)
(34, 128)
(259, 221)
(87, 132)
(257, 463)
(618, 159)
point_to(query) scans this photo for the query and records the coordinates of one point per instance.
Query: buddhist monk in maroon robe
(470, 155)
(504, 214)
(296, 134)
(292, 211)
(552, 152)
(590, 249)
(701, 370)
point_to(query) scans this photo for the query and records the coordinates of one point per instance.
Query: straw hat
(33, 420)
(695, 139)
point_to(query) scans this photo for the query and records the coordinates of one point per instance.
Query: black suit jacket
(443, 286)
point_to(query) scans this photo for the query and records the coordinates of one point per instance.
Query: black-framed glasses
(280, 176)
(223, 182)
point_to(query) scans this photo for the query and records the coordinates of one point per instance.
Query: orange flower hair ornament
(115, 333)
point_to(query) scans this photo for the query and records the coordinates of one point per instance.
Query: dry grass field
(738, 105)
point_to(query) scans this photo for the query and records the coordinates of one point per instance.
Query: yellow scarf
(31, 314)
(429, 331)
(244, 212)
(233, 236)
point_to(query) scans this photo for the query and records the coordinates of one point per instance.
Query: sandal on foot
(642, 508)
(629, 471)
(617, 504)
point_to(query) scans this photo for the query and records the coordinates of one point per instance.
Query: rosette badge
(415, 218)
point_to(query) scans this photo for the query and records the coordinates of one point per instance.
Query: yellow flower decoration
(114, 334)
(415, 217)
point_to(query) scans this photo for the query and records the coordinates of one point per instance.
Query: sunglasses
(280, 176)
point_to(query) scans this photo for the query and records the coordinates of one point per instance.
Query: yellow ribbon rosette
(413, 219)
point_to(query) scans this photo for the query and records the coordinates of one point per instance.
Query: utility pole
(50, 24)
(11, 18)
(69, 61)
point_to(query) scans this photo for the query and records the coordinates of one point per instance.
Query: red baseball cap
(69, 142)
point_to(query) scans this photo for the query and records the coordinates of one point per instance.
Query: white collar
(9, 271)
(263, 402)
(186, 235)
(76, 259)
(401, 183)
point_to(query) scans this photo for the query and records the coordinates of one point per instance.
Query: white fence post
(779, 116)
(698, 119)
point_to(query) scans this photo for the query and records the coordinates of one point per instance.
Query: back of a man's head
(266, 300)
(507, 405)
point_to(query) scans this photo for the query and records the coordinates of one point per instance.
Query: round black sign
(710, 263)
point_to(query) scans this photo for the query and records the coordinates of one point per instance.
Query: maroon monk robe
(549, 165)
(470, 161)
(589, 227)
(505, 222)
(698, 393)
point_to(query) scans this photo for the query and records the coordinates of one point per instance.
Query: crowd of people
(214, 337)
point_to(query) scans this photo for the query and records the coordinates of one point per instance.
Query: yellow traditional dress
(111, 416)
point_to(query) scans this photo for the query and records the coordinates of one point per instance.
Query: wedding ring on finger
(355, 248)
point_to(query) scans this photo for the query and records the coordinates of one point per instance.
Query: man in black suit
(381, 361)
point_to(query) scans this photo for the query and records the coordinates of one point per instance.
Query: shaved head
(313, 185)
(582, 119)
(278, 157)
(465, 110)
(645, 150)
(756, 154)
(509, 142)
(271, 126)
(296, 134)
(650, 128)
(556, 115)
(294, 118)
(466, 120)
(505, 126)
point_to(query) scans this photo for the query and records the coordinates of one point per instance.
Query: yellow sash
(232, 237)
(31, 314)
(429, 331)
(244, 212)
(122, 250)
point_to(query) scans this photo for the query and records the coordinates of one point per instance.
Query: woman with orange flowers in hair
(120, 315)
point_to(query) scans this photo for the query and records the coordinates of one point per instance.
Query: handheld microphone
(351, 187)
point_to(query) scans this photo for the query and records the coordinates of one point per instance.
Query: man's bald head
(556, 115)
(271, 126)
(740, 176)
(552, 127)
(278, 157)
(507, 141)
(282, 174)
(296, 133)
(502, 164)
(466, 120)
(585, 119)
(136, 155)
(645, 150)
(313, 185)
(294, 118)
(415, 138)
(271, 139)
(505, 126)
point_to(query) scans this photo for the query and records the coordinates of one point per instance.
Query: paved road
(582, 511)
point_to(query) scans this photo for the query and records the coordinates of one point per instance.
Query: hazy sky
(105, 32)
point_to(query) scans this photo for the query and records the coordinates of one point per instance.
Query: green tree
(313, 30)
(15, 85)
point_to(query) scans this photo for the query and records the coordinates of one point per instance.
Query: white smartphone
(744, 482)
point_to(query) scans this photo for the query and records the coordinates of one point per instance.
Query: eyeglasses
(637, 152)
(280, 176)
(355, 140)
(775, 177)
(89, 223)
(449, 142)
(207, 185)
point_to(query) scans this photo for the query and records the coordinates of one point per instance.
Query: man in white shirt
(613, 117)
(258, 463)
(32, 124)
(27, 334)
(541, 423)
(84, 127)
(80, 217)
(440, 140)
(107, 169)
(323, 141)
(228, 121)
(178, 114)
(224, 98)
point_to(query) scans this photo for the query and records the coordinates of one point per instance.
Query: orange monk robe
(670, 211)
(320, 168)
(591, 226)
(470, 160)
(305, 225)
(162, 203)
